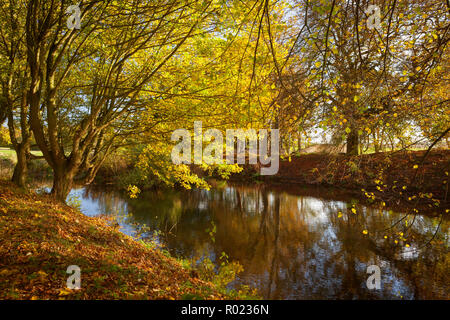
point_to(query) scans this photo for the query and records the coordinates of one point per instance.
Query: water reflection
(292, 245)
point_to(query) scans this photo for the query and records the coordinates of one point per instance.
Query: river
(293, 242)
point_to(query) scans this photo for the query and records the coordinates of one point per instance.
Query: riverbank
(393, 177)
(41, 238)
(405, 178)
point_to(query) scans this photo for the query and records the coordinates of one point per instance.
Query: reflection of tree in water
(295, 246)
(412, 277)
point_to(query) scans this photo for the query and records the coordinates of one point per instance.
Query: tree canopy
(134, 71)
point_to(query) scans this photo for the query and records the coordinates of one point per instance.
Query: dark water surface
(294, 243)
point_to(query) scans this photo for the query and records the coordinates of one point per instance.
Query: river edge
(413, 180)
(40, 238)
(407, 179)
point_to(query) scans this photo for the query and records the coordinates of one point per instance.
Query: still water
(293, 242)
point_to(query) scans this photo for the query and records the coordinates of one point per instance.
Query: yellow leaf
(4, 272)
(64, 292)
(42, 273)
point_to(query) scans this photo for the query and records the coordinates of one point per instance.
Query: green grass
(8, 153)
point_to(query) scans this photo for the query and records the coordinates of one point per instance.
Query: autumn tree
(360, 73)
(95, 75)
(14, 81)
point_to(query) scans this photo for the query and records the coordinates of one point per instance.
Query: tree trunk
(62, 184)
(376, 145)
(299, 142)
(21, 169)
(2, 115)
(353, 143)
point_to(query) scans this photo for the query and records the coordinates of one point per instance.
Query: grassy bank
(40, 238)
(38, 168)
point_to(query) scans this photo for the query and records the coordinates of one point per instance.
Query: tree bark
(2, 115)
(299, 143)
(376, 144)
(353, 143)
(22, 148)
(21, 169)
(62, 183)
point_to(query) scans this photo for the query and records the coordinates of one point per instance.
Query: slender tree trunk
(2, 115)
(299, 142)
(21, 169)
(375, 142)
(22, 148)
(353, 143)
